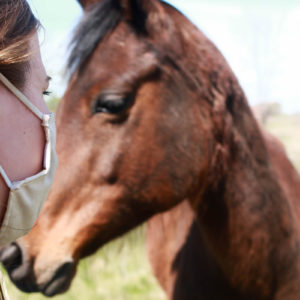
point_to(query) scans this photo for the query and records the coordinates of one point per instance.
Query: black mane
(100, 19)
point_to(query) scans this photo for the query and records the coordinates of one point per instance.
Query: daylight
(258, 38)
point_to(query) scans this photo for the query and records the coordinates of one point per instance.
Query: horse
(154, 126)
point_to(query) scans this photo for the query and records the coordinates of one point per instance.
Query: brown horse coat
(183, 262)
(154, 123)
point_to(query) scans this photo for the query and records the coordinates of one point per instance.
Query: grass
(121, 271)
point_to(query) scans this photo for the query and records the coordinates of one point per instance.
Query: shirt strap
(3, 290)
(21, 97)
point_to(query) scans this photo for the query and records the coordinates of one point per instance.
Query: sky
(259, 39)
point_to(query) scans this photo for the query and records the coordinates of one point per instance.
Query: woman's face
(22, 137)
(37, 80)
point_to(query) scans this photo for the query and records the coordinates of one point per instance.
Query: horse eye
(111, 104)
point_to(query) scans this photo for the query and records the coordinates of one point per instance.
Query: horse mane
(99, 21)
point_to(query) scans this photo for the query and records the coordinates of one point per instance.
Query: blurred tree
(264, 110)
(52, 102)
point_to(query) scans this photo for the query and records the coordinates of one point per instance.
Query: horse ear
(85, 3)
(143, 12)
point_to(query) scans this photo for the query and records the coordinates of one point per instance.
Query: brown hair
(17, 26)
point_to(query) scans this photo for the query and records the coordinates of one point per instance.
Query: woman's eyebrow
(48, 78)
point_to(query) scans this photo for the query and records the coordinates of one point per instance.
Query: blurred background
(260, 40)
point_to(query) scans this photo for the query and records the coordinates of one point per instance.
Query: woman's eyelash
(47, 93)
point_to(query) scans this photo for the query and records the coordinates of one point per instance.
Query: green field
(120, 271)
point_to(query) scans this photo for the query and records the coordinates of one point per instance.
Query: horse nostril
(19, 270)
(11, 256)
(61, 280)
(66, 269)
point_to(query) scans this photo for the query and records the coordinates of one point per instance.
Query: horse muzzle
(36, 275)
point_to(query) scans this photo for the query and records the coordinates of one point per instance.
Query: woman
(27, 130)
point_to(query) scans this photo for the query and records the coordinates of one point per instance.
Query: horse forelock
(99, 20)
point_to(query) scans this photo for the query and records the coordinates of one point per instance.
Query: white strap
(5, 177)
(4, 294)
(21, 96)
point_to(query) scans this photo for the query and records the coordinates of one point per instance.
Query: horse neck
(243, 212)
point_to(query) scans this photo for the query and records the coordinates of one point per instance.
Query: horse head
(137, 130)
